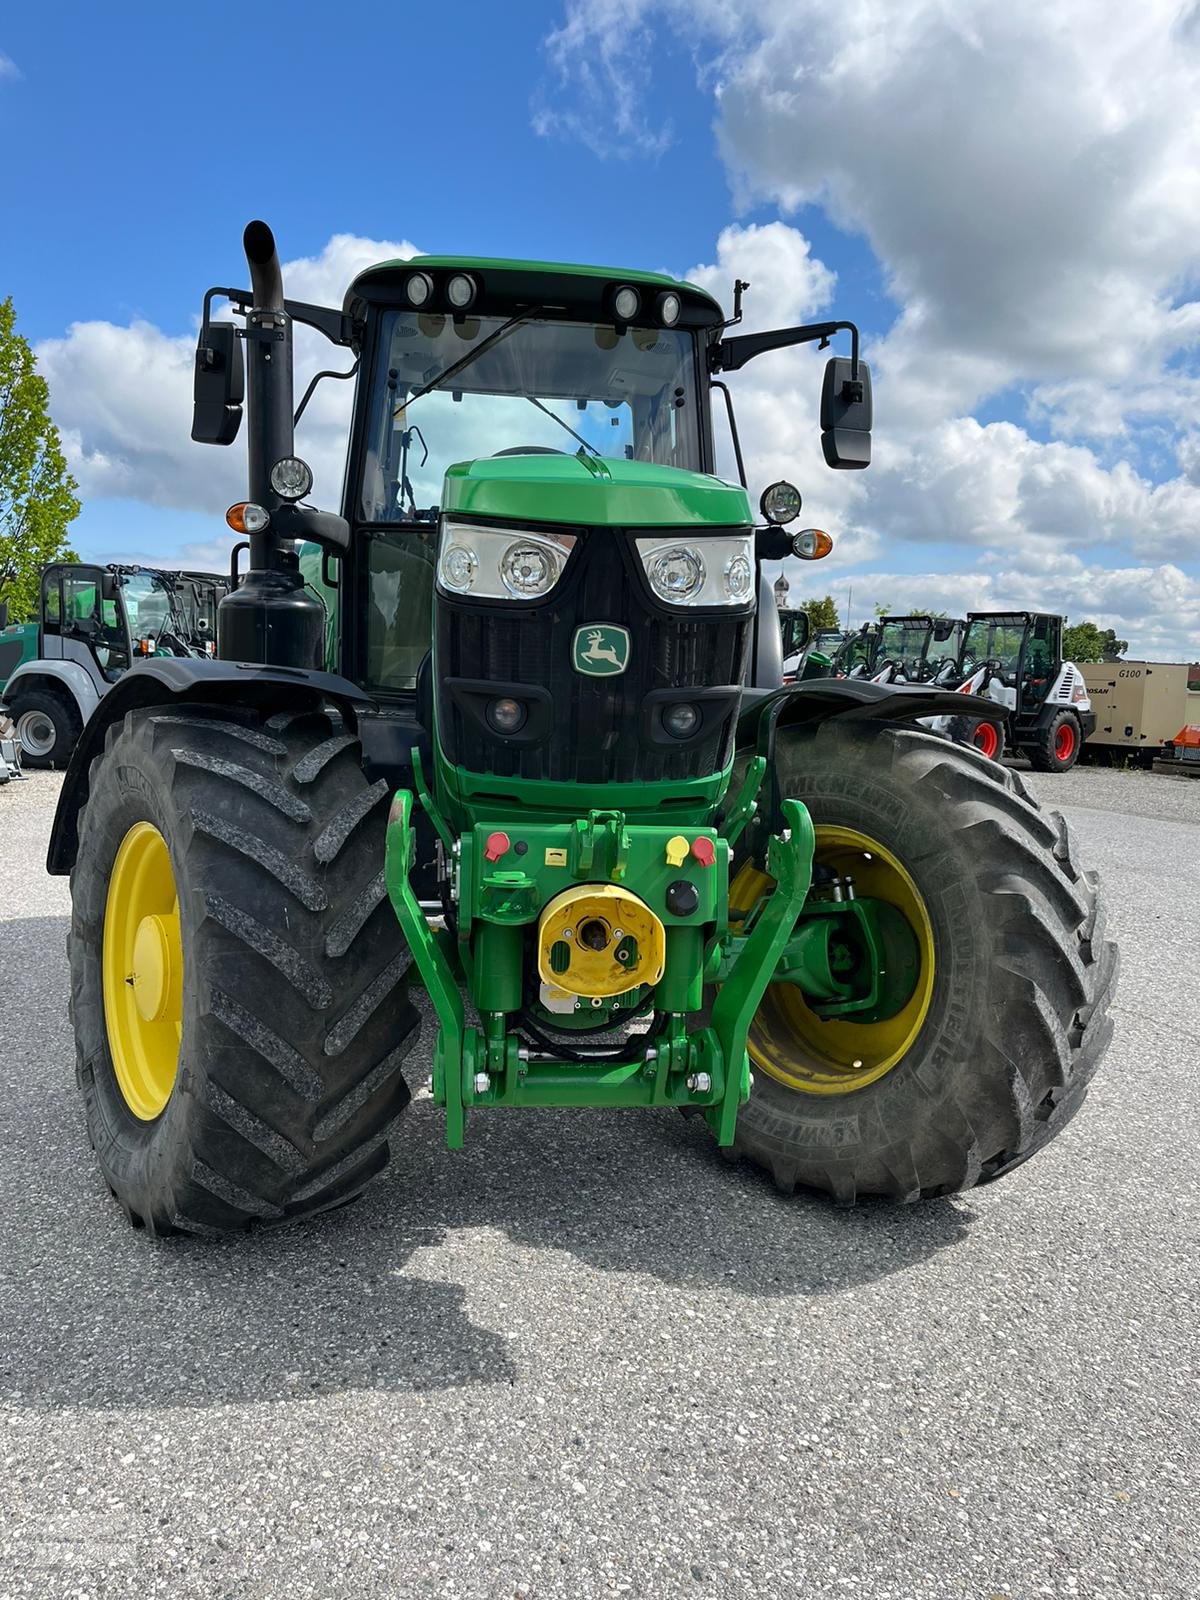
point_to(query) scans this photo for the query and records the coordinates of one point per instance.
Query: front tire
(237, 973)
(47, 727)
(1013, 1019)
(1058, 744)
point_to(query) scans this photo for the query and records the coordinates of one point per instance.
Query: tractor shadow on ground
(99, 1316)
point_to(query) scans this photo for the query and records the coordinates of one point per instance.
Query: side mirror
(846, 414)
(219, 385)
(801, 628)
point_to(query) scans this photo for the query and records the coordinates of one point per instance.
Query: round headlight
(291, 478)
(681, 721)
(780, 503)
(506, 715)
(668, 309)
(527, 570)
(460, 291)
(738, 577)
(677, 574)
(419, 289)
(458, 566)
(625, 303)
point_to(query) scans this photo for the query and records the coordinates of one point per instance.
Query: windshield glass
(994, 639)
(147, 603)
(904, 643)
(560, 386)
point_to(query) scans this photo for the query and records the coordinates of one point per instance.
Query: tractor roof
(517, 277)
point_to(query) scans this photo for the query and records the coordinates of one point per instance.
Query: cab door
(91, 628)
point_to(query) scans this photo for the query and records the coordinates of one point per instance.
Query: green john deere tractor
(524, 738)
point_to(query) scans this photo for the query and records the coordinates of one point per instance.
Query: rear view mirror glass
(219, 385)
(846, 414)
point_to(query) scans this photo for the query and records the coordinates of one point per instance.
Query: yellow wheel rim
(142, 965)
(788, 1041)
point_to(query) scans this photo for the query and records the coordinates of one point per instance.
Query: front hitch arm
(790, 863)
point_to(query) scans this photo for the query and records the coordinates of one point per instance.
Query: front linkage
(582, 893)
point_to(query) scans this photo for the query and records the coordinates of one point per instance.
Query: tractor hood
(594, 491)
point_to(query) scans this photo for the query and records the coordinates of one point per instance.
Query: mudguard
(816, 699)
(167, 680)
(68, 675)
(849, 700)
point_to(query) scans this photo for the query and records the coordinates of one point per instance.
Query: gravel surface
(587, 1357)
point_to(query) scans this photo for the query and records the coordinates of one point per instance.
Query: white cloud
(122, 397)
(1028, 178)
(8, 67)
(598, 65)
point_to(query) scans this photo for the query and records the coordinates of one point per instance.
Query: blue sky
(632, 132)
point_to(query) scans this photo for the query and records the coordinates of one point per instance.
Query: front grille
(596, 730)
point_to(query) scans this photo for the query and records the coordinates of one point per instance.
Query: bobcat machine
(545, 766)
(1015, 659)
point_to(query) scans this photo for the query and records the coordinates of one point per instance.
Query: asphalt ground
(586, 1356)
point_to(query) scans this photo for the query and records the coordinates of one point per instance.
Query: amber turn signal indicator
(811, 544)
(246, 517)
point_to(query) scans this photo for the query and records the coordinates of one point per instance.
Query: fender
(169, 680)
(849, 700)
(817, 699)
(65, 674)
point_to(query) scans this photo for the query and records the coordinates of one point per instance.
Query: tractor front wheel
(990, 1054)
(237, 974)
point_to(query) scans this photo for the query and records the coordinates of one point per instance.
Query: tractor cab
(916, 649)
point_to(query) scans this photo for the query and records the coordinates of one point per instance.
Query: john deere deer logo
(600, 649)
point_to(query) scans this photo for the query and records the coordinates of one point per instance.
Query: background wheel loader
(551, 720)
(94, 622)
(1015, 659)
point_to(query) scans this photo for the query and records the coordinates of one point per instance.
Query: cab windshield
(998, 639)
(148, 605)
(904, 643)
(530, 382)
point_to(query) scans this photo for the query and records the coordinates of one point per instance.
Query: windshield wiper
(455, 367)
(562, 424)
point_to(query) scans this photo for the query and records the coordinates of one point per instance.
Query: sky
(1004, 195)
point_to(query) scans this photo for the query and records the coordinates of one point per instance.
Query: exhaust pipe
(266, 275)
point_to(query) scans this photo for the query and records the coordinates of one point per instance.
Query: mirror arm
(727, 355)
(715, 383)
(337, 326)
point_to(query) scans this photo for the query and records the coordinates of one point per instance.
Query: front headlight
(707, 572)
(492, 563)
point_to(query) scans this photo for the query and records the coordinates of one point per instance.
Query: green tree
(821, 613)
(1084, 641)
(37, 493)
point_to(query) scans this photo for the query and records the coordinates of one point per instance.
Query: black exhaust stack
(269, 617)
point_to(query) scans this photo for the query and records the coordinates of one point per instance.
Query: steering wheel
(528, 450)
